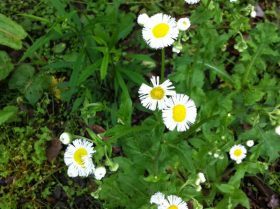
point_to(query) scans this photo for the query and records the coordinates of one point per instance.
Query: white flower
(183, 24)
(253, 14)
(155, 96)
(192, 1)
(157, 198)
(277, 130)
(173, 202)
(180, 112)
(160, 31)
(198, 188)
(65, 138)
(99, 172)
(232, 0)
(78, 158)
(201, 177)
(143, 19)
(238, 153)
(250, 143)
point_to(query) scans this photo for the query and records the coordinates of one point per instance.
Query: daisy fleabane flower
(155, 96)
(180, 112)
(238, 153)
(143, 19)
(160, 31)
(183, 24)
(78, 158)
(173, 202)
(192, 1)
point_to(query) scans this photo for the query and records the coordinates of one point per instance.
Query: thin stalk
(162, 65)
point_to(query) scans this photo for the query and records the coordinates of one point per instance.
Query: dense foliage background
(77, 66)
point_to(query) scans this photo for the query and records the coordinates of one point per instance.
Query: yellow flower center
(157, 93)
(172, 207)
(179, 113)
(237, 152)
(79, 154)
(160, 30)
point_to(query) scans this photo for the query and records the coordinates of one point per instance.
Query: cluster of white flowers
(171, 202)
(161, 30)
(178, 110)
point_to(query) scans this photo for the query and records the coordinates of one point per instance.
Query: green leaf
(7, 113)
(27, 82)
(22, 75)
(11, 33)
(104, 64)
(5, 65)
(226, 188)
(37, 44)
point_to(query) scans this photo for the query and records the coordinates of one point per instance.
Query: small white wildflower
(277, 130)
(197, 182)
(65, 138)
(238, 153)
(216, 155)
(233, 0)
(157, 198)
(192, 1)
(142, 19)
(253, 14)
(198, 188)
(250, 143)
(201, 177)
(177, 48)
(99, 172)
(184, 24)
(210, 153)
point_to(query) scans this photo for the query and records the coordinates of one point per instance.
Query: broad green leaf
(22, 75)
(7, 113)
(11, 33)
(5, 65)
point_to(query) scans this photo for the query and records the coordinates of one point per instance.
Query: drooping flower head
(180, 112)
(192, 1)
(250, 143)
(184, 24)
(78, 158)
(65, 138)
(155, 96)
(99, 172)
(238, 153)
(160, 31)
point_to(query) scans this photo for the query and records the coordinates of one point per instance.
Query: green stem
(162, 65)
